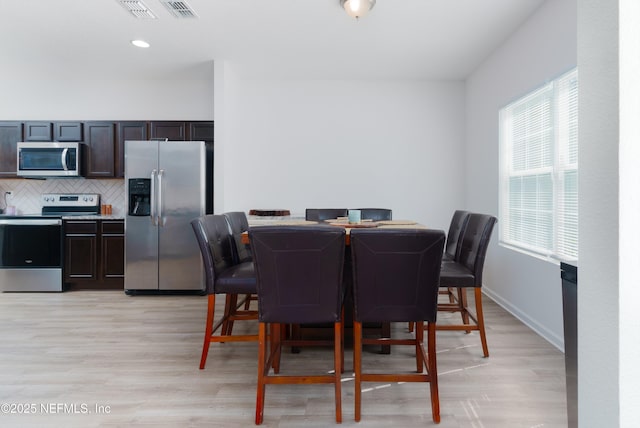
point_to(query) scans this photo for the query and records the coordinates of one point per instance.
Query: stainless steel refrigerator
(165, 189)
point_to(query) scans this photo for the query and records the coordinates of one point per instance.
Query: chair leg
(338, 359)
(480, 316)
(262, 371)
(357, 367)
(342, 340)
(247, 302)
(229, 310)
(462, 303)
(433, 371)
(420, 363)
(211, 304)
(275, 338)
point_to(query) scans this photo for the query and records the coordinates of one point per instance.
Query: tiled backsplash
(26, 192)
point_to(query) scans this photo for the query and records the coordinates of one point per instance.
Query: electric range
(31, 245)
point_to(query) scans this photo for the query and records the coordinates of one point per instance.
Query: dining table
(338, 222)
(380, 329)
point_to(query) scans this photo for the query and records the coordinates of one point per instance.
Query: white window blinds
(539, 170)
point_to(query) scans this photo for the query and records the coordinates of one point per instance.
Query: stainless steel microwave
(50, 159)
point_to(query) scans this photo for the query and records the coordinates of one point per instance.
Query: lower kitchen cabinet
(94, 254)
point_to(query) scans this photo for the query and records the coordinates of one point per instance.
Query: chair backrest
(475, 242)
(214, 240)
(396, 273)
(375, 214)
(321, 214)
(299, 272)
(454, 236)
(238, 224)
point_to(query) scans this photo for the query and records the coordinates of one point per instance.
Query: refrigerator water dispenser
(139, 196)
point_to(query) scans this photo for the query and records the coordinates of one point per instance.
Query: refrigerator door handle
(154, 207)
(160, 194)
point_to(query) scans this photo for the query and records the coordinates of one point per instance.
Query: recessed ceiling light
(140, 43)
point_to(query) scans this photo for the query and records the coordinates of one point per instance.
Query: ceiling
(398, 39)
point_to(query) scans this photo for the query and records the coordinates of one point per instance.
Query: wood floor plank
(104, 359)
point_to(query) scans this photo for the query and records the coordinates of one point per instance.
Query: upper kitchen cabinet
(67, 131)
(10, 134)
(100, 151)
(128, 131)
(173, 131)
(201, 131)
(38, 131)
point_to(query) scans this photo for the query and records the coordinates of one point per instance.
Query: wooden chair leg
(357, 367)
(464, 308)
(247, 302)
(480, 318)
(338, 359)
(208, 331)
(385, 332)
(420, 363)
(275, 338)
(262, 371)
(433, 371)
(342, 340)
(229, 309)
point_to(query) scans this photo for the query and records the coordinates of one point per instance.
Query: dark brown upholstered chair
(321, 214)
(395, 279)
(466, 272)
(238, 224)
(299, 272)
(375, 214)
(223, 276)
(454, 238)
(459, 221)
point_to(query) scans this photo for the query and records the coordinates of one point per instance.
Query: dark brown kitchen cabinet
(10, 134)
(94, 254)
(99, 150)
(112, 251)
(67, 131)
(173, 131)
(81, 250)
(127, 131)
(38, 131)
(201, 131)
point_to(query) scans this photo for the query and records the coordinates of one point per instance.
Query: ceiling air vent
(137, 8)
(179, 9)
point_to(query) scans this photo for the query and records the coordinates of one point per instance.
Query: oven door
(30, 243)
(30, 254)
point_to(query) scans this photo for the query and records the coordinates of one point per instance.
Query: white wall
(608, 323)
(121, 98)
(541, 49)
(297, 144)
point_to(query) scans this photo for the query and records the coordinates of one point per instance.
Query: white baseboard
(545, 333)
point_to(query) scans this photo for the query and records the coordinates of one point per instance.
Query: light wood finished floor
(133, 361)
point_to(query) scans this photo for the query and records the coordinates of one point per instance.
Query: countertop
(92, 217)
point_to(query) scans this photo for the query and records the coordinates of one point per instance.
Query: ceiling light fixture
(357, 8)
(140, 43)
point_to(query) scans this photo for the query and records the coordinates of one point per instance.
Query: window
(539, 171)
